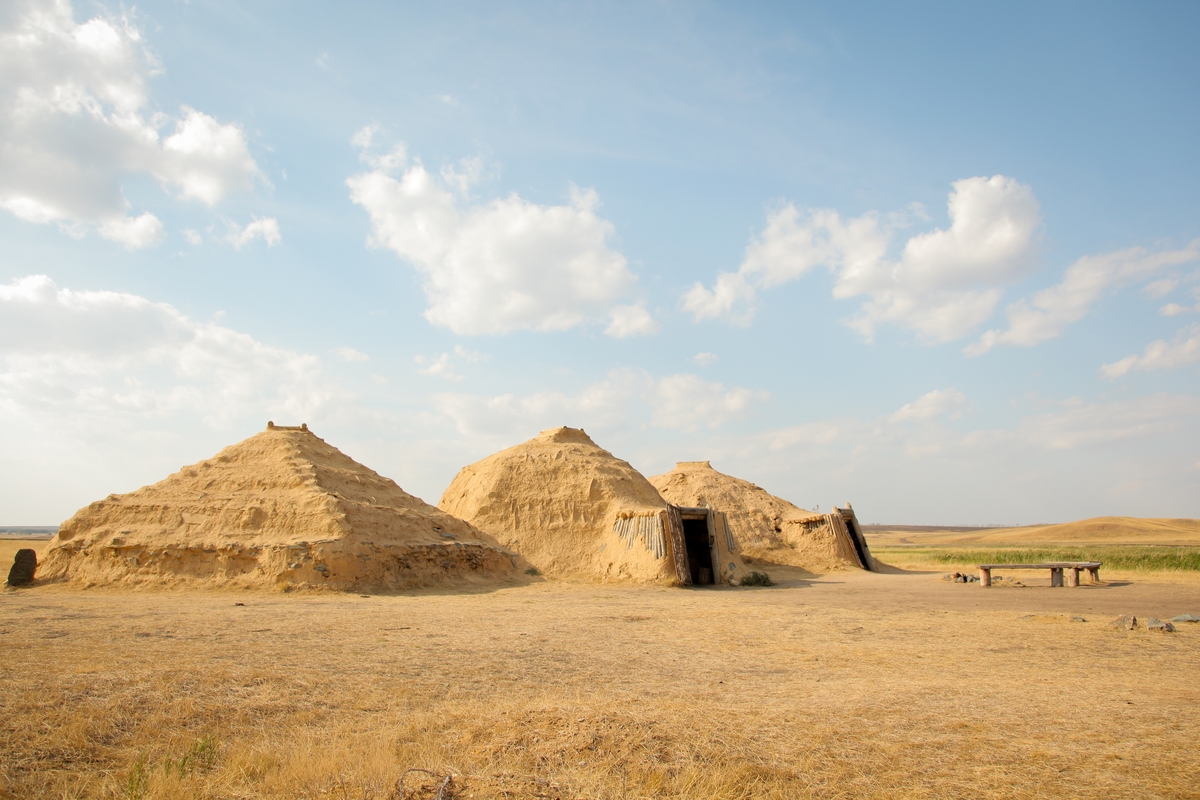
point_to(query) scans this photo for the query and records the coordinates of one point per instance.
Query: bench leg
(985, 577)
(1094, 573)
(1056, 577)
(1073, 577)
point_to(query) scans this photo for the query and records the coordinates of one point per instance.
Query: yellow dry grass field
(845, 685)
(10, 546)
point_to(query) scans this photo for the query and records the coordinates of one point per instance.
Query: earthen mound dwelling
(573, 509)
(280, 509)
(769, 528)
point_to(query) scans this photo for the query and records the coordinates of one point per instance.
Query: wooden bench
(1056, 571)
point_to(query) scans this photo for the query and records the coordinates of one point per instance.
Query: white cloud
(731, 297)
(497, 267)
(133, 232)
(937, 403)
(705, 359)
(944, 284)
(205, 160)
(349, 354)
(1161, 355)
(1174, 309)
(193, 237)
(1047, 312)
(1161, 287)
(631, 320)
(75, 119)
(442, 366)
(98, 356)
(1080, 424)
(687, 403)
(625, 398)
(266, 229)
(463, 176)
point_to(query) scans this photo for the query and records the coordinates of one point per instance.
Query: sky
(937, 260)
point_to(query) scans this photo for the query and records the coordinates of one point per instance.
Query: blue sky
(940, 261)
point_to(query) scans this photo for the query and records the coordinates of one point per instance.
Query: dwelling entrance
(699, 550)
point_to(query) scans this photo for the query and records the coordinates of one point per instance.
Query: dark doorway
(699, 552)
(856, 536)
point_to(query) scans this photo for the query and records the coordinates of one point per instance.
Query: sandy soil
(843, 685)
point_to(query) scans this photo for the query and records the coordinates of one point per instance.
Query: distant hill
(1098, 530)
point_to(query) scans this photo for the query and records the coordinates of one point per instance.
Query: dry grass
(848, 686)
(10, 546)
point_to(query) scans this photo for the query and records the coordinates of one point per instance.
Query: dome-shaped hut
(573, 509)
(768, 527)
(281, 509)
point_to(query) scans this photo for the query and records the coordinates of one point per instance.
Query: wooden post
(1056, 577)
(985, 577)
(678, 546)
(1073, 576)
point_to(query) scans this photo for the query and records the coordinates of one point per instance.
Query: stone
(1126, 622)
(1153, 624)
(1078, 619)
(24, 565)
(1186, 618)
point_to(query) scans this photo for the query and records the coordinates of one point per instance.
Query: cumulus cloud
(442, 366)
(266, 229)
(705, 359)
(496, 267)
(625, 397)
(937, 403)
(75, 119)
(1044, 315)
(349, 354)
(96, 355)
(632, 320)
(1161, 355)
(133, 232)
(945, 282)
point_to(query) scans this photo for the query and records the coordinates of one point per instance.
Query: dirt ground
(842, 685)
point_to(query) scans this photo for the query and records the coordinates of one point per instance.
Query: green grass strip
(1134, 558)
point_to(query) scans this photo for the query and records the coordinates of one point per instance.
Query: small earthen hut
(768, 527)
(573, 509)
(280, 509)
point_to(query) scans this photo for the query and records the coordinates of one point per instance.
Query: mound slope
(574, 509)
(768, 527)
(281, 509)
